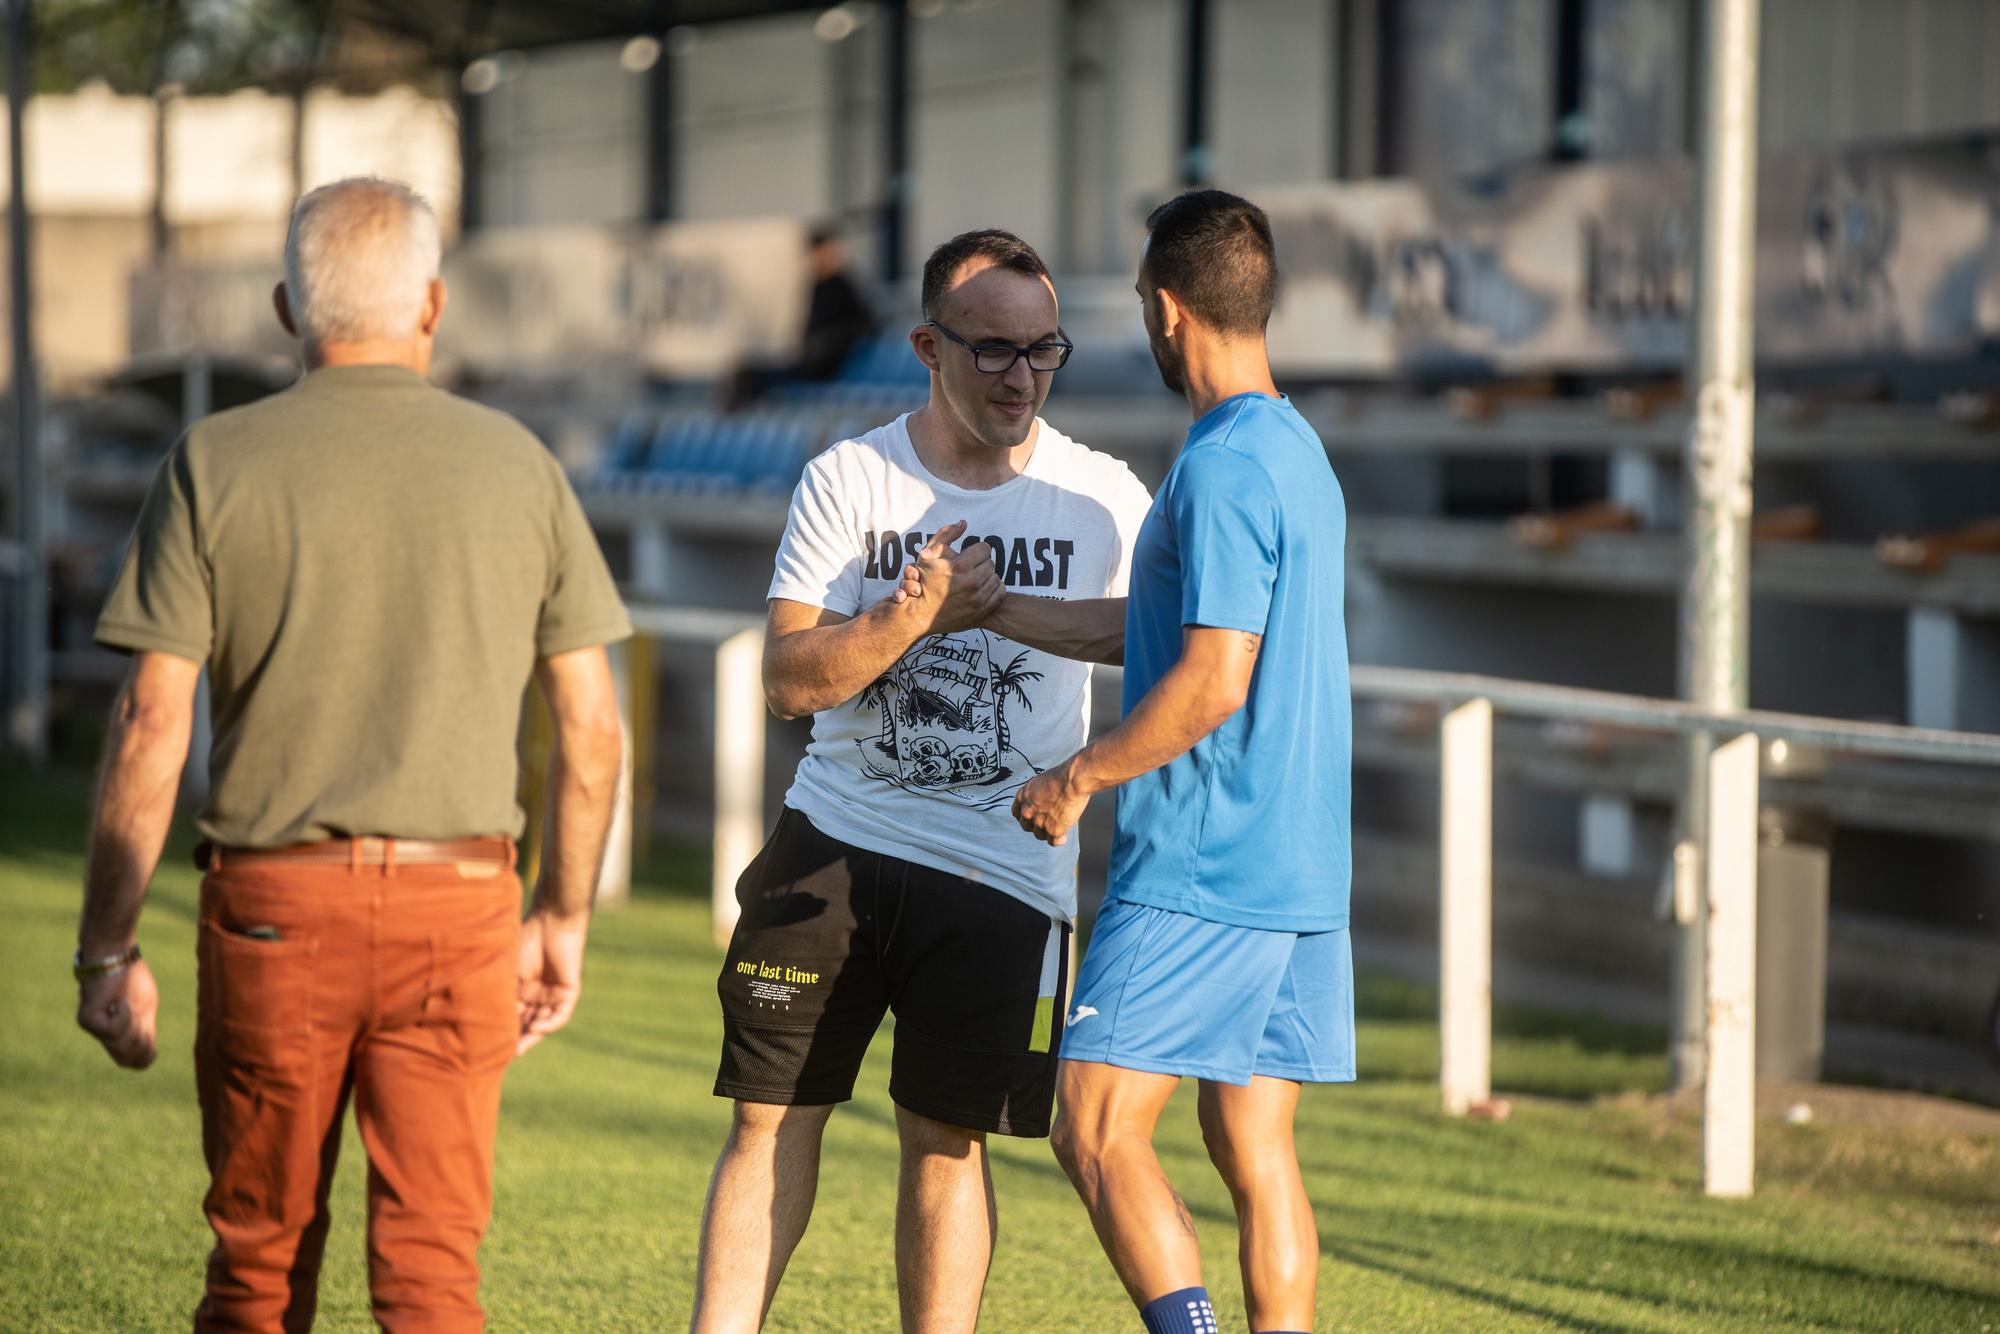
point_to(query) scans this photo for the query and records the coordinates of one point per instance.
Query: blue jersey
(1251, 826)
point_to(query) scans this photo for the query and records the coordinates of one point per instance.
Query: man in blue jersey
(1221, 950)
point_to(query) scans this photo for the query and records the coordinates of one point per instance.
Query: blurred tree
(198, 46)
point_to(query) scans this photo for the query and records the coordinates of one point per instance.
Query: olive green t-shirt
(369, 566)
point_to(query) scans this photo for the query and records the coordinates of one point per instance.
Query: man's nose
(1020, 375)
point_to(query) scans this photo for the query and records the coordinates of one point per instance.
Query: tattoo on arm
(1252, 642)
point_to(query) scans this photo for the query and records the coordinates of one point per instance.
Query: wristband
(110, 963)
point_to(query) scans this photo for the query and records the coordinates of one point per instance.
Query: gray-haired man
(370, 569)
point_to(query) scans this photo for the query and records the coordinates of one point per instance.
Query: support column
(1715, 601)
(1197, 168)
(27, 720)
(896, 172)
(660, 135)
(471, 162)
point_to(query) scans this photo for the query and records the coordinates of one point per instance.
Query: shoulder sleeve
(1226, 515)
(820, 556)
(581, 608)
(163, 597)
(1130, 504)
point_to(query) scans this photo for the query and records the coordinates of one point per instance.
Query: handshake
(951, 589)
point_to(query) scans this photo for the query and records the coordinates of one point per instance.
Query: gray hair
(359, 258)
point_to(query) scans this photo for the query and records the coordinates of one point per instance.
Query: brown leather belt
(365, 851)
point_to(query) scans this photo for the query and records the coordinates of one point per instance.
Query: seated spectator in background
(837, 320)
(837, 317)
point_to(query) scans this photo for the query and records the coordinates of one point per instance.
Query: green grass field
(1583, 1212)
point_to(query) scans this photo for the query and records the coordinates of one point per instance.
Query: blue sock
(1183, 1312)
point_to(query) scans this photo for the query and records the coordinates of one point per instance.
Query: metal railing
(1465, 995)
(1469, 704)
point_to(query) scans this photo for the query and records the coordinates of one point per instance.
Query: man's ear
(1173, 315)
(923, 341)
(283, 305)
(434, 300)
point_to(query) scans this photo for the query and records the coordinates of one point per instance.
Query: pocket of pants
(255, 996)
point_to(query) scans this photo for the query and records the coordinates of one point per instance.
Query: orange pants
(393, 987)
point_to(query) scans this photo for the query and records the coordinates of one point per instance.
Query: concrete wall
(229, 189)
(1837, 70)
(564, 139)
(754, 131)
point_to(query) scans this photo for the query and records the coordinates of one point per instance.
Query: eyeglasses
(999, 358)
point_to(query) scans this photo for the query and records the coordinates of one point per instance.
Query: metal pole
(660, 134)
(471, 159)
(1195, 164)
(1715, 603)
(27, 722)
(896, 140)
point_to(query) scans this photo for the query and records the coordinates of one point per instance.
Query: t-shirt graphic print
(943, 712)
(925, 762)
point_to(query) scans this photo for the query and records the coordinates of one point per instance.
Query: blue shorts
(1177, 995)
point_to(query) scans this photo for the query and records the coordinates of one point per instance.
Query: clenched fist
(955, 589)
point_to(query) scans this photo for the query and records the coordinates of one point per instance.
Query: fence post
(1729, 1099)
(739, 769)
(614, 871)
(1465, 908)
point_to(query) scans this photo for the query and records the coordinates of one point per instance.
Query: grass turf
(1583, 1212)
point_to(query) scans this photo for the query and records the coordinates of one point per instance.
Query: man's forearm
(583, 783)
(1183, 707)
(143, 757)
(807, 671)
(1087, 629)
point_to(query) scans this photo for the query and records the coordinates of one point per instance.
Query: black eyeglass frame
(1018, 352)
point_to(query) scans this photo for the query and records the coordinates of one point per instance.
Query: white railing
(1469, 704)
(737, 642)
(1465, 999)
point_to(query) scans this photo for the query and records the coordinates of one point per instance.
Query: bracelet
(110, 963)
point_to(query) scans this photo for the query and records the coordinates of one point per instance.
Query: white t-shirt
(924, 764)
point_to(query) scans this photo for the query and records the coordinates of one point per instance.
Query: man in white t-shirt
(896, 878)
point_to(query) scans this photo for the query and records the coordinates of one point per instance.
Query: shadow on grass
(1437, 1282)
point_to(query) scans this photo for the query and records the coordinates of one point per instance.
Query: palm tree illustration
(876, 696)
(1012, 680)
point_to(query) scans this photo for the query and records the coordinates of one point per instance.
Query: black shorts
(833, 936)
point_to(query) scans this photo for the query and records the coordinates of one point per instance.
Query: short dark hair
(1213, 251)
(1004, 249)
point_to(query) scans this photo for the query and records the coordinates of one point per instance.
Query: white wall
(753, 123)
(91, 183)
(1272, 80)
(1837, 70)
(229, 159)
(564, 137)
(983, 122)
(1128, 125)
